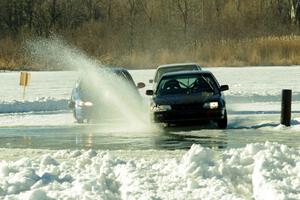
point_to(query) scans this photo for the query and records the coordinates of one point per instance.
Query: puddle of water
(86, 137)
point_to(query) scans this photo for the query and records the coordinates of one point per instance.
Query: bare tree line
(110, 28)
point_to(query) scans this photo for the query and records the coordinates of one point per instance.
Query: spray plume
(114, 93)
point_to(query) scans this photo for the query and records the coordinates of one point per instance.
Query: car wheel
(80, 121)
(74, 113)
(222, 123)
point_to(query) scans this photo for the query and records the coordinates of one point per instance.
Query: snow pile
(40, 104)
(259, 171)
(276, 173)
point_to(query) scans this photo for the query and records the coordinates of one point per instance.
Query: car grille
(187, 107)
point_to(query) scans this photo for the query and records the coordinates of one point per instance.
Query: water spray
(113, 92)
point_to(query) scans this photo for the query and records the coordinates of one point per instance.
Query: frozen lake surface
(255, 158)
(253, 104)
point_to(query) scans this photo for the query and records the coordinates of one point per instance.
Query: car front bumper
(83, 113)
(173, 116)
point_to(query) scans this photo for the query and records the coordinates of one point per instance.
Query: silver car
(85, 99)
(162, 69)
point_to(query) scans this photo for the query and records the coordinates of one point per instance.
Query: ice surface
(251, 89)
(43, 85)
(259, 171)
(40, 104)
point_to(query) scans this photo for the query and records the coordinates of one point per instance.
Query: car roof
(170, 74)
(177, 65)
(113, 69)
(185, 73)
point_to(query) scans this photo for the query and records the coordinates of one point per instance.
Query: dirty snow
(260, 171)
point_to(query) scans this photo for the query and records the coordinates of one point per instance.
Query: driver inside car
(200, 84)
(171, 87)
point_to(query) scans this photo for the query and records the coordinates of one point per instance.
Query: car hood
(185, 99)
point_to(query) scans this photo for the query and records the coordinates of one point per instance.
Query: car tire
(222, 123)
(80, 121)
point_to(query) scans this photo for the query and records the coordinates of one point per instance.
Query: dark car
(189, 96)
(88, 99)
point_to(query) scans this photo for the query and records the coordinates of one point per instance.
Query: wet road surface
(98, 136)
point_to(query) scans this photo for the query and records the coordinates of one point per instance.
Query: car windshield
(187, 84)
(87, 90)
(163, 70)
(124, 75)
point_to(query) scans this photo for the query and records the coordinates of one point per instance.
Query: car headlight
(79, 103)
(159, 108)
(211, 105)
(82, 103)
(88, 103)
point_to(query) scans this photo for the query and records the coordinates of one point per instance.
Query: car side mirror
(149, 92)
(71, 104)
(224, 87)
(151, 81)
(141, 85)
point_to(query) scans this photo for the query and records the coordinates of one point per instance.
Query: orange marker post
(24, 81)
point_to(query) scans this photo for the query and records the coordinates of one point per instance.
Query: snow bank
(259, 171)
(40, 104)
(276, 173)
